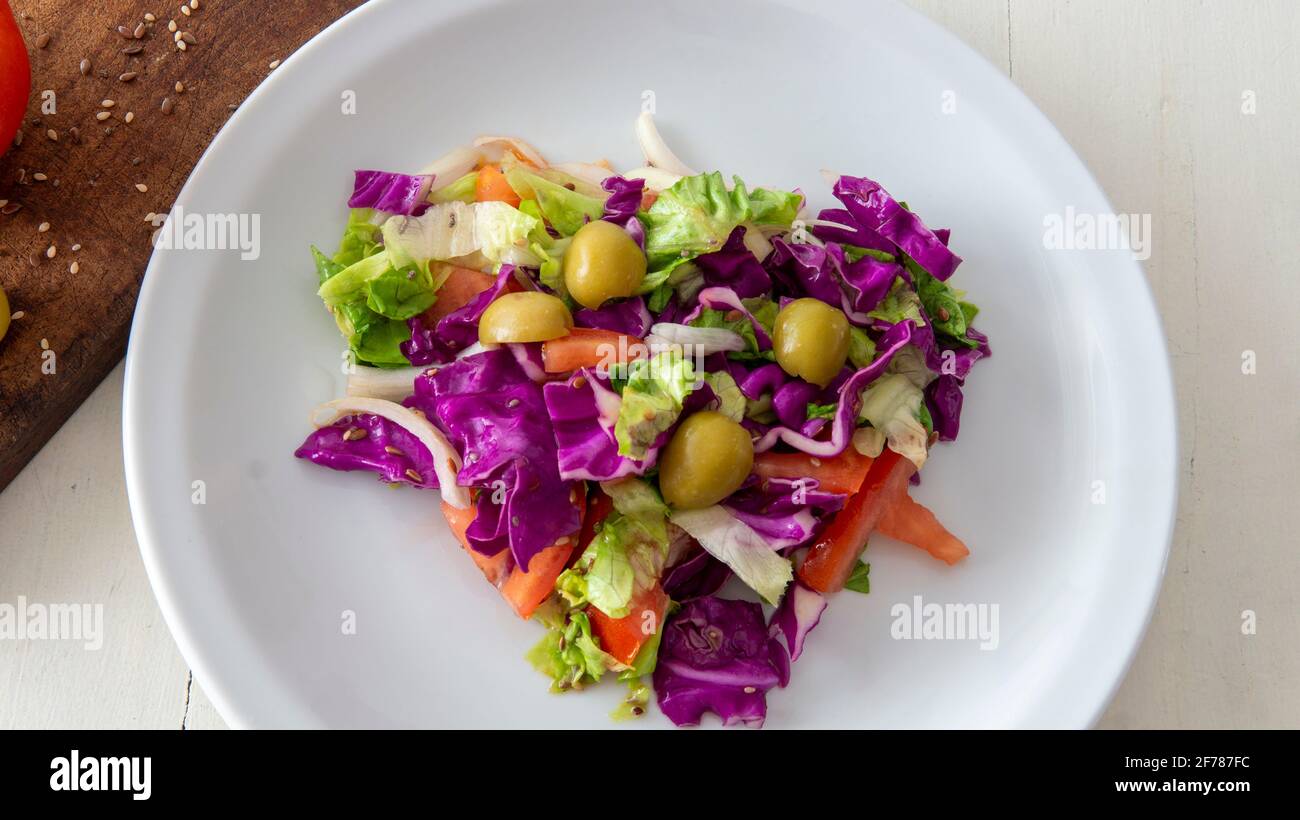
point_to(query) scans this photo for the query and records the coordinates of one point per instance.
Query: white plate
(227, 356)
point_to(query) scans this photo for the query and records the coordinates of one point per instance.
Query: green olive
(707, 460)
(602, 263)
(811, 339)
(531, 316)
(4, 313)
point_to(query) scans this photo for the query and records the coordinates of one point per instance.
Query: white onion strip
(452, 166)
(655, 150)
(704, 340)
(585, 171)
(656, 179)
(389, 384)
(446, 462)
(494, 149)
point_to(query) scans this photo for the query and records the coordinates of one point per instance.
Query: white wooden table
(1188, 111)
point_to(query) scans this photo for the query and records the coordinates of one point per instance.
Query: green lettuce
(698, 213)
(360, 238)
(462, 190)
(948, 313)
(893, 405)
(568, 653)
(900, 303)
(862, 351)
(764, 310)
(731, 402)
(626, 555)
(652, 400)
(860, 579)
(565, 210)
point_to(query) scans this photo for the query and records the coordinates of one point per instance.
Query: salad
(628, 389)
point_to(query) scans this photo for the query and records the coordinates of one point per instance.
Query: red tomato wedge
(492, 186)
(588, 347)
(913, 524)
(15, 77)
(462, 285)
(839, 474)
(833, 556)
(624, 637)
(599, 506)
(524, 591)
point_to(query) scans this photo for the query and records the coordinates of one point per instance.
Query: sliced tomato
(461, 286)
(913, 524)
(15, 77)
(524, 591)
(589, 347)
(835, 553)
(492, 186)
(624, 637)
(843, 473)
(599, 506)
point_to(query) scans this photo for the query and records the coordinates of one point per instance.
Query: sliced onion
(452, 166)
(656, 179)
(446, 462)
(655, 150)
(708, 340)
(389, 384)
(494, 149)
(585, 171)
(757, 243)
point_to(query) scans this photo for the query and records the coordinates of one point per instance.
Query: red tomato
(15, 77)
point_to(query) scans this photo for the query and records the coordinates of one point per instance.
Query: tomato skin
(15, 77)
(835, 553)
(843, 473)
(623, 637)
(590, 347)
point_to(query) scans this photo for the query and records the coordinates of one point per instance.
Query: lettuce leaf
(893, 405)
(565, 210)
(653, 396)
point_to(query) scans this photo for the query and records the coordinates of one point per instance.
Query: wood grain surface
(104, 177)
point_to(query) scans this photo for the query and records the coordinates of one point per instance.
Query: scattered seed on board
(142, 188)
(52, 134)
(180, 44)
(84, 66)
(39, 177)
(3, 202)
(171, 25)
(43, 227)
(167, 105)
(194, 4)
(274, 64)
(42, 41)
(130, 115)
(128, 76)
(10, 208)
(186, 37)
(185, 10)
(180, 87)
(149, 18)
(74, 268)
(103, 115)
(76, 247)
(137, 160)
(139, 31)
(18, 139)
(134, 48)
(18, 314)
(125, 32)
(51, 252)
(107, 103)
(76, 134)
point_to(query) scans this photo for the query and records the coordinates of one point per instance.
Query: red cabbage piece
(391, 193)
(800, 610)
(328, 448)
(734, 266)
(943, 399)
(716, 656)
(622, 204)
(455, 331)
(698, 575)
(583, 411)
(804, 269)
(495, 416)
(623, 316)
(874, 210)
(786, 512)
(850, 401)
(867, 280)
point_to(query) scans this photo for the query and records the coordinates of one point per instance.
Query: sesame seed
(355, 434)
(149, 18)
(103, 115)
(18, 139)
(107, 103)
(74, 268)
(52, 134)
(130, 115)
(39, 177)
(43, 227)
(171, 25)
(180, 87)
(816, 462)
(18, 314)
(185, 10)
(51, 252)
(194, 4)
(42, 41)
(142, 188)
(127, 76)
(749, 690)
(180, 44)
(76, 247)
(84, 66)
(176, 35)
(393, 451)
(414, 476)
(274, 64)
(3, 202)
(167, 103)
(149, 217)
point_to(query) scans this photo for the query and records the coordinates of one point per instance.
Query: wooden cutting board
(101, 178)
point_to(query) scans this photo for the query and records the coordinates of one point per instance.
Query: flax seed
(125, 32)
(189, 38)
(134, 48)
(39, 177)
(84, 66)
(414, 476)
(393, 451)
(139, 31)
(127, 76)
(167, 105)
